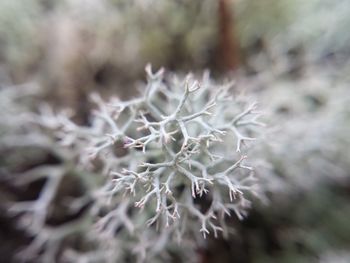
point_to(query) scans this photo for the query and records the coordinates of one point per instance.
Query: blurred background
(293, 55)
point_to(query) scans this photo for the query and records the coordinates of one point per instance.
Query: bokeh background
(293, 55)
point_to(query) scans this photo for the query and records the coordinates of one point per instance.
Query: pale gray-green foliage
(19, 31)
(262, 19)
(144, 163)
(314, 115)
(118, 27)
(117, 31)
(319, 26)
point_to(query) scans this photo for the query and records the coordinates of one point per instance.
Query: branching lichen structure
(153, 174)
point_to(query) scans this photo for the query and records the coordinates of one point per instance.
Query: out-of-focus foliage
(20, 38)
(314, 116)
(320, 26)
(263, 19)
(73, 47)
(119, 36)
(310, 160)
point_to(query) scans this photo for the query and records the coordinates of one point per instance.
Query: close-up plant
(232, 147)
(168, 165)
